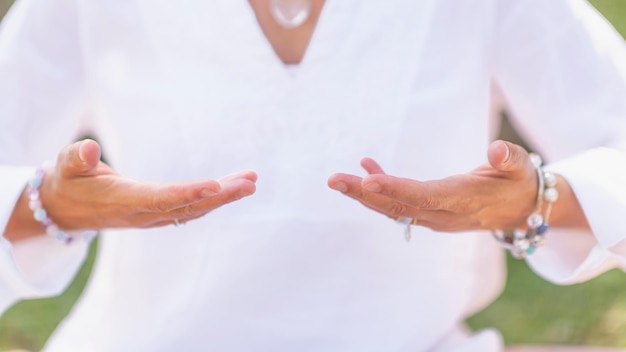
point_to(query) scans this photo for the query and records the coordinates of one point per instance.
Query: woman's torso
(192, 89)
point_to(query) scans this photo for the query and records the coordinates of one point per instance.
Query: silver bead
(549, 179)
(535, 159)
(534, 220)
(522, 244)
(519, 234)
(551, 195)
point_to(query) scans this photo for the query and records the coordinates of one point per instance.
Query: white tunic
(180, 90)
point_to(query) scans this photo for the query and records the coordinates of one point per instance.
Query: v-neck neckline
(313, 52)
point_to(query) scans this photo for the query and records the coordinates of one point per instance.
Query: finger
(169, 197)
(339, 182)
(79, 159)
(422, 195)
(371, 166)
(231, 191)
(438, 220)
(351, 186)
(161, 198)
(245, 174)
(507, 157)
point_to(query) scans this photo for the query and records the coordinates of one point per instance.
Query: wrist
(523, 242)
(31, 218)
(21, 224)
(40, 214)
(567, 212)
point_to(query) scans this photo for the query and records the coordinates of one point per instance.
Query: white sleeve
(562, 70)
(41, 100)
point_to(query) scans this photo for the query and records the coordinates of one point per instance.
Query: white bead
(33, 193)
(549, 179)
(522, 244)
(535, 160)
(40, 214)
(551, 195)
(517, 234)
(34, 204)
(62, 236)
(534, 220)
(52, 230)
(35, 182)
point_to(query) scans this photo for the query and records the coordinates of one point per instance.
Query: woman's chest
(213, 97)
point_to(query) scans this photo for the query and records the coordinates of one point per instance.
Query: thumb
(371, 166)
(79, 158)
(507, 157)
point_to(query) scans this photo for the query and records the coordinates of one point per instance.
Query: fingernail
(372, 187)
(340, 186)
(80, 152)
(508, 154)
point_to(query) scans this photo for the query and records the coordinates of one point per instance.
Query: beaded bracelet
(40, 214)
(522, 243)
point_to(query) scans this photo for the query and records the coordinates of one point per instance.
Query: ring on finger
(407, 222)
(404, 220)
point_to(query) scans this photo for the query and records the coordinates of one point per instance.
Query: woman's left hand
(496, 195)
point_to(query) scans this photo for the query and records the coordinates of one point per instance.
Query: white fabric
(192, 89)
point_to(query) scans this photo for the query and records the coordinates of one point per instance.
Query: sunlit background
(530, 311)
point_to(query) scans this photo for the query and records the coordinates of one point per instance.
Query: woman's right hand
(82, 192)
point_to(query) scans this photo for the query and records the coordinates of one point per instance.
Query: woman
(178, 92)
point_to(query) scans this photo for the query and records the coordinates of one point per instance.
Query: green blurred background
(530, 310)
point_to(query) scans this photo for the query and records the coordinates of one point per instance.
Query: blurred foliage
(4, 6)
(28, 324)
(530, 310)
(534, 311)
(614, 11)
